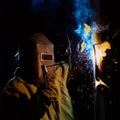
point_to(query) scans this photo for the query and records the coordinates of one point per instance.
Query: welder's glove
(51, 92)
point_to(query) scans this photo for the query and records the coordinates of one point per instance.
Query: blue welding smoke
(84, 16)
(83, 12)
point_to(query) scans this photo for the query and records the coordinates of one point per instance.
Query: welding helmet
(36, 52)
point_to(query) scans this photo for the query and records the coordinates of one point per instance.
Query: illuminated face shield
(44, 51)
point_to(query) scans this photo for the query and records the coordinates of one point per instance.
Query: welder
(38, 91)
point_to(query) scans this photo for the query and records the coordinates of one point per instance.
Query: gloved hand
(50, 93)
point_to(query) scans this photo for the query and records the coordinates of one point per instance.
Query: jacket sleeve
(22, 101)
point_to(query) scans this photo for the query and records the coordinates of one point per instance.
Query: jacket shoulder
(17, 87)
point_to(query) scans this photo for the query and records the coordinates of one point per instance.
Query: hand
(51, 91)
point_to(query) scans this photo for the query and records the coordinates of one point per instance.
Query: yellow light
(100, 50)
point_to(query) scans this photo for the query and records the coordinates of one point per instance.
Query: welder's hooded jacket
(26, 101)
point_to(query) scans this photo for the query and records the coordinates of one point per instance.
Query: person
(38, 90)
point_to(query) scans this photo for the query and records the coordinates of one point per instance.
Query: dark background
(17, 20)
